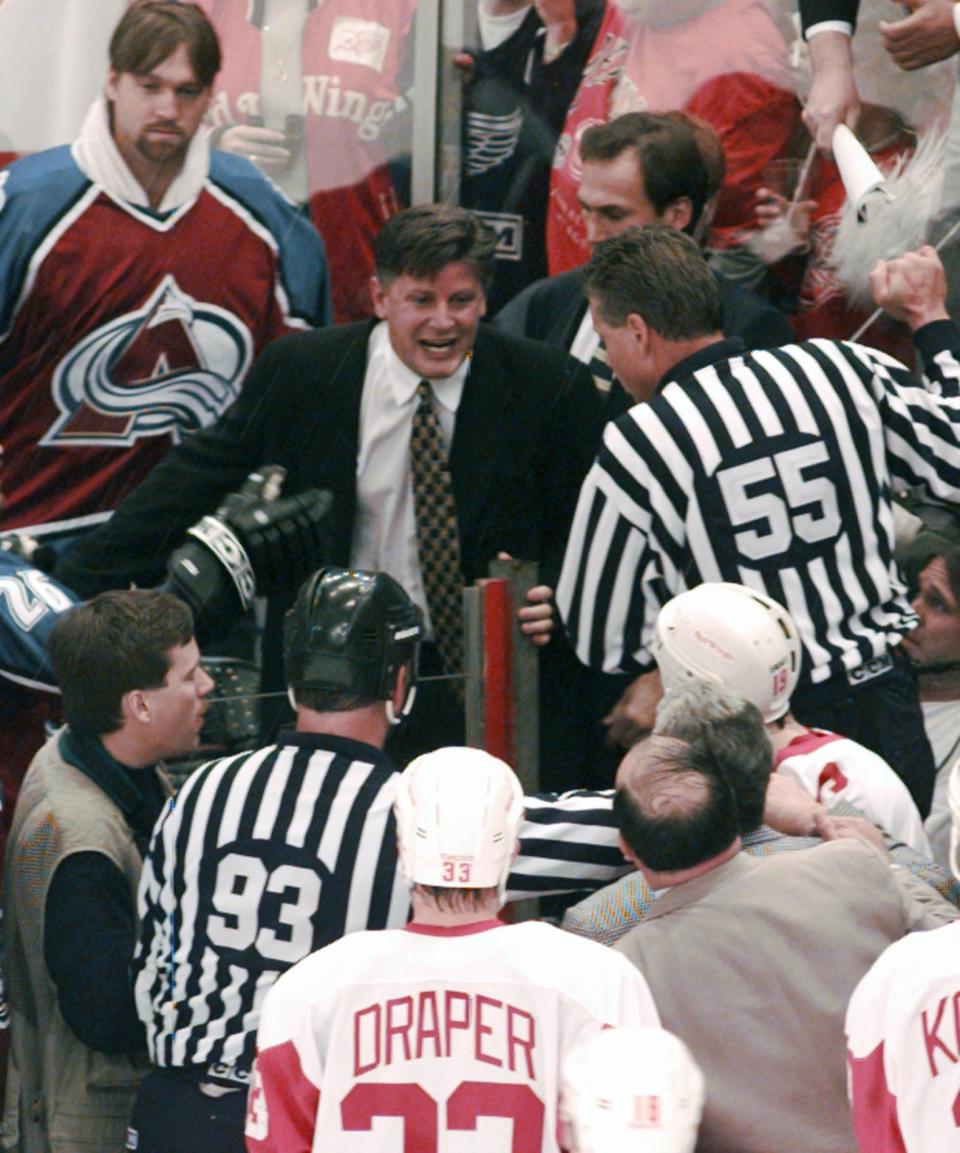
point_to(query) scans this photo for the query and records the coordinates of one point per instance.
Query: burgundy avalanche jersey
(122, 329)
(355, 54)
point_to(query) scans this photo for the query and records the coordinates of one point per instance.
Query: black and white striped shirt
(266, 856)
(773, 469)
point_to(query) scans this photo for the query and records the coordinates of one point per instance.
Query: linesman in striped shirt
(772, 469)
(267, 856)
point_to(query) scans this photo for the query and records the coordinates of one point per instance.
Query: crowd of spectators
(234, 355)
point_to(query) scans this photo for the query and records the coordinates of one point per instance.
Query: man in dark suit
(640, 169)
(335, 408)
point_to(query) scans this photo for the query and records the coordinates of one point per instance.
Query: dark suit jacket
(813, 11)
(526, 432)
(551, 310)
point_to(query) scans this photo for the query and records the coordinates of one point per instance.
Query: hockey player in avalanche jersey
(140, 275)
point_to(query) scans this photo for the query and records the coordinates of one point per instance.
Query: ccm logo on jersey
(359, 42)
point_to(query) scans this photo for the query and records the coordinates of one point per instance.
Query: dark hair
(709, 144)
(732, 731)
(679, 813)
(105, 648)
(929, 544)
(422, 241)
(326, 701)
(670, 159)
(153, 30)
(660, 274)
(951, 558)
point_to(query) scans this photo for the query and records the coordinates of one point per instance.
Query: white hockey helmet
(631, 1090)
(733, 636)
(458, 812)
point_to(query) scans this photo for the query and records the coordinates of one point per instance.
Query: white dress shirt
(385, 526)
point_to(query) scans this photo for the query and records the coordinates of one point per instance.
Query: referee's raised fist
(912, 287)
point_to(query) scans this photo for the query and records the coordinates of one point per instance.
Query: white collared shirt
(586, 342)
(385, 527)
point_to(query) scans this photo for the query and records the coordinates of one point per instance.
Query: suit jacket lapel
(341, 380)
(572, 311)
(473, 456)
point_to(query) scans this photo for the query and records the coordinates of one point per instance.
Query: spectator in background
(795, 244)
(133, 693)
(639, 169)
(318, 95)
(519, 84)
(877, 66)
(934, 649)
(723, 60)
(139, 277)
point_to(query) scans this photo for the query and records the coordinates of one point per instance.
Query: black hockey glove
(257, 544)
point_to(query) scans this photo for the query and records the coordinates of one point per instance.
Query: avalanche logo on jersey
(171, 367)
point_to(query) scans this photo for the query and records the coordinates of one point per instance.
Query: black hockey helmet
(351, 632)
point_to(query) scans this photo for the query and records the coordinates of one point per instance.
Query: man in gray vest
(133, 693)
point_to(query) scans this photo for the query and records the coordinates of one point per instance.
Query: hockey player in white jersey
(631, 1089)
(449, 1034)
(743, 639)
(903, 1037)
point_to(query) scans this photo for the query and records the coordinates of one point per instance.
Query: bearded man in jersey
(139, 278)
(772, 468)
(456, 1020)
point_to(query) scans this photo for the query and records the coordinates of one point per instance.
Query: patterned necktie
(438, 539)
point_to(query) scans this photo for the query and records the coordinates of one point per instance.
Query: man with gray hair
(789, 938)
(774, 813)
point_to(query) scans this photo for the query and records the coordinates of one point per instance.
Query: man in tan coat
(752, 961)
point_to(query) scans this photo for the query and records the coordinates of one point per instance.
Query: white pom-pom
(892, 227)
